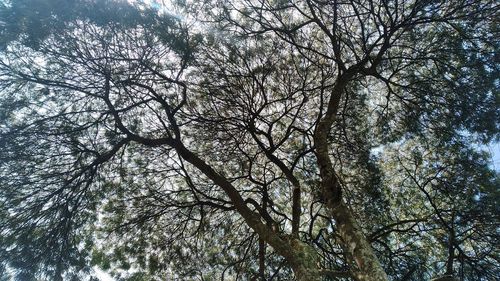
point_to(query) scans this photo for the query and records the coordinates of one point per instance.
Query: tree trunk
(303, 274)
(365, 264)
(359, 252)
(304, 261)
(262, 260)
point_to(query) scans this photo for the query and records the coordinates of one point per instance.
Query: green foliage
(96, 96)
(32, 21)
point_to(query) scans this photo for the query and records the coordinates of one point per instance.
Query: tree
(249, 139)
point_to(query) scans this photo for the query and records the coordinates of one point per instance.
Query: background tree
(249, 140)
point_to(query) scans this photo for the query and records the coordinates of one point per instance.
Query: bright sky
(103, 276)
(494, 149)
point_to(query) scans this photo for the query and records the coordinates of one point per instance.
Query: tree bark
(364, 262)
(305, 262)
(262, 260)
(356, 246)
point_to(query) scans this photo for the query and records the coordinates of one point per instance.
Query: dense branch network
(265, 139)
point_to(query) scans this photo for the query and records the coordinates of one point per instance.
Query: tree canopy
(249, 139)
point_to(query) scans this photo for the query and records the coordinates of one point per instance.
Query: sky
(494, 149)
(103, 276)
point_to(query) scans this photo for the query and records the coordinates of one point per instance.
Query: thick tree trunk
(262, 260)
(305, 274)
(365, 264)
(356, 246)
(304, 261)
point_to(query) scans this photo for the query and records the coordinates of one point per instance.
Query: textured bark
(364, 262)
(305, 261)
(451, 251)
(357, 247)
(296, 212)
(262, 260)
